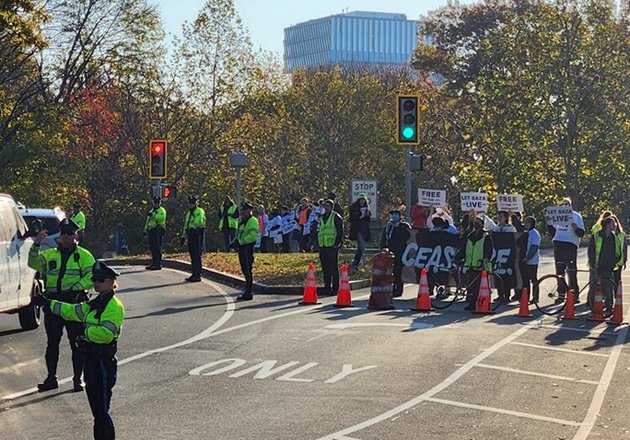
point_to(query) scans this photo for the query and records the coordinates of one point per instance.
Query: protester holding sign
(476, 253)
(394, 237)
(504, 223)
(566, 232)
(360, 226)
(531, 258)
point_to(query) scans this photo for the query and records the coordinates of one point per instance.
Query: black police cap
(157, 199)
(193, 199)
(247, 205)
(100, 269)
(68, 225)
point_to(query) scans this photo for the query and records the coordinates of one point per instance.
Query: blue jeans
(360, 249)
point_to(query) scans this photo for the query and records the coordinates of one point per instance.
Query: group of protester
(607, 251)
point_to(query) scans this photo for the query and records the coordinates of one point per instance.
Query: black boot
(50, 383)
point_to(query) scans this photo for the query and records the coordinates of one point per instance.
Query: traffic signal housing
(157, 159)
(407, 120)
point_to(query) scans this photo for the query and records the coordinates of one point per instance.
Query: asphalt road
(196, 365)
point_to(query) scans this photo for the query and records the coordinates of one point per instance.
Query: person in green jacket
(155, 227)
(246, 236)
(100, 320)
(228, 221)
(79, 218)
(66, 271)
(194, 233)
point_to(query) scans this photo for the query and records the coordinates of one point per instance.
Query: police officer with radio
(67, 271)
(100, 322)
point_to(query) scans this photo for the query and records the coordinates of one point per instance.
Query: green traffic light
(408, 132)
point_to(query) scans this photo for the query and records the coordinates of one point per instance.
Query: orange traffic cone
(617, 316)
(569, 311)
(343, 296)
(523, 310)
(310, 287)
(483, 299)
(423, 302)
(598, 305)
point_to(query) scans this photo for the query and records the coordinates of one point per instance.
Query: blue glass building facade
(351, 39)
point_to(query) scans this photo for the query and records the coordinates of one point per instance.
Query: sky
(265, 20)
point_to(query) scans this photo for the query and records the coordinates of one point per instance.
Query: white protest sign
(510, 202)
(369, 187)
(476, 201)
(559, 215)
(432, 197)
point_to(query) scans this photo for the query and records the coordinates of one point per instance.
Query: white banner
(473, 200)
(510, 202)
(432, 197)
(370, 188)
(559, 215)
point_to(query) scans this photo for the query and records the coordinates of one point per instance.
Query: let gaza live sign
(370, 188)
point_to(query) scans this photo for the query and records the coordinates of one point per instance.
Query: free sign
(432, 197)
(510, 202)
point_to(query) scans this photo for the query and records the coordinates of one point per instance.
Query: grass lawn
(276, 269)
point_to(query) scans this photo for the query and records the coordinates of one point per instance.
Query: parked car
(18, 282)
(39, 218)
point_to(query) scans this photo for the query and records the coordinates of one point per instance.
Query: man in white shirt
(566, 240)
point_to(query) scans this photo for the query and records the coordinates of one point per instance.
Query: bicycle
(553, 289)
(452, 286)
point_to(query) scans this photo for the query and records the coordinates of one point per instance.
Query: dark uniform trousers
(329, 258)
(246, 259)
(54, 326)
(195, 247)
(228, 236)
(156, 240)
(101, 368)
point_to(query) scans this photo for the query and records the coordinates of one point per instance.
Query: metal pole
(238, 186)
(408, 180)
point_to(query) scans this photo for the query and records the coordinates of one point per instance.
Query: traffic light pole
(238, 187)
(408, 181)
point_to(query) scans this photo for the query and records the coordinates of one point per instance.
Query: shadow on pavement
(14, 331)
(140, 289)
(174, 310)
(267, 305)
(42, 396)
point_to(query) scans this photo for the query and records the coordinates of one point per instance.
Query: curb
(229, 279)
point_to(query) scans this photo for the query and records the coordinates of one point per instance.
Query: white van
(18, 282)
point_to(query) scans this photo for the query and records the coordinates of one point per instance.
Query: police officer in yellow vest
(228, 221)
(607, 255)
(100, 320)
(155, 227)
(67, 271)
(194, 233)
(476, 254)
(329, 237)
(79, 218)
(246, 236)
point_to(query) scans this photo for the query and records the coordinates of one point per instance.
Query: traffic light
(407, 122)
(168, 191)
(157, 159)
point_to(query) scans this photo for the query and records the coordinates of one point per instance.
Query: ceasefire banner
(430, 250)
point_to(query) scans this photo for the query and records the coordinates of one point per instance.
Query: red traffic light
(158, 159)
(166, 192)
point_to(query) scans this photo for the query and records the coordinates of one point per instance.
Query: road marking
(16, 367)
(230, 307)
(604, 383)
(582, 330)
(524, 344)
(433, 391)
(504, 411)
(533, 373)
(414, 325)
